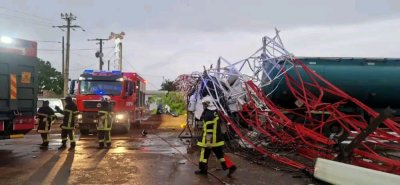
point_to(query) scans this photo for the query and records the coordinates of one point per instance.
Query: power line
(25, 20)
(27, 14)
(79, 49)
(78, 69)
(100, 53)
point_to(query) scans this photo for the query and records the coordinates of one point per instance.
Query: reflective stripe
(202, 156)
(67, 128)
(69, 118)
(105, 117)
(73, 136)
(109, 138)
(13, 86)
(214, 143)
(46, 125)
(47, 138)
(221, 143)
(43, 131)
(222, 159)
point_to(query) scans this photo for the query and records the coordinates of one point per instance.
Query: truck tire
(127, 127)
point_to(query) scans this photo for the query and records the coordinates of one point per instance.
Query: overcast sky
(166, 38)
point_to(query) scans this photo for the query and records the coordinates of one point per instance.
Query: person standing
(105, 122)
(68, 125)
(212, 139)
(46, 116)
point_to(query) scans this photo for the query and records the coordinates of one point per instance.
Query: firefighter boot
(202, 169)
(72, 148)
(232, 170)
(63, 145)
(44, 144)
(223, 164)
(101, 145)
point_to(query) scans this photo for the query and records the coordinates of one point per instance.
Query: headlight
(79, 116)
(119, 116)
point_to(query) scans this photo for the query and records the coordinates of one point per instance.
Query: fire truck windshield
(100, 87)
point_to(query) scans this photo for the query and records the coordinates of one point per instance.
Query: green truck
(374, 81)
(18, 91)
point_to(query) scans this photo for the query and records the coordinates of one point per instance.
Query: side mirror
(72, 87)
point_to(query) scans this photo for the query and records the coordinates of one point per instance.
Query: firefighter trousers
(45, 138)
(68, 133)
(104, 137)
(205, 153)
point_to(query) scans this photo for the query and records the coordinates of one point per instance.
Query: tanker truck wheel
(127, 127)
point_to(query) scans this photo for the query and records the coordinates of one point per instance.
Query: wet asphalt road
(158, 158)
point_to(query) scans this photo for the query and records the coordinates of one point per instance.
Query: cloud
(168, 38)
(171, 53)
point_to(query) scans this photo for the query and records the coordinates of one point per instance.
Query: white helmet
(106, 99)
(209, 102)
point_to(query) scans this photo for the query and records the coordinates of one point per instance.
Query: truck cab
(125, 89)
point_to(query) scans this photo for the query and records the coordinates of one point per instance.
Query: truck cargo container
(18, 92)
(374, 81)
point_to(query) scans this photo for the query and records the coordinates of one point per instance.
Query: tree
(176, 101)
(168, 85)
(49, 78)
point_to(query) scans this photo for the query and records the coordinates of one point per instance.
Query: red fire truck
(18, 92)
(126, 90)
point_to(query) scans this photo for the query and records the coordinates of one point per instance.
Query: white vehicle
(53, 102)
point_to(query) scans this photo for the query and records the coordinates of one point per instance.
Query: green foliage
(49, 78)
(176, 101)
(168, 85)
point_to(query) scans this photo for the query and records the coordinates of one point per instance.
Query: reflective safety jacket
(70, 111)
(46, 117)
(212, 135)
(105, 120)
(105, 116)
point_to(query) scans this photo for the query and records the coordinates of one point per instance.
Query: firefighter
(212, 139)
(46, 117)
(68, 125)
(104, 124)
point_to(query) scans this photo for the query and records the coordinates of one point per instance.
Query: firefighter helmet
(106, 99)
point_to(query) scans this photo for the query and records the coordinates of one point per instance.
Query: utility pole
(63, 62)
(99, 54)
(69, 18)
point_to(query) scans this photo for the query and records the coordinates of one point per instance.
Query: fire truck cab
(126, 90)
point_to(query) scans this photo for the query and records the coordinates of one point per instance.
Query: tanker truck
(373, 81)
(126, 90)
(19, 81)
